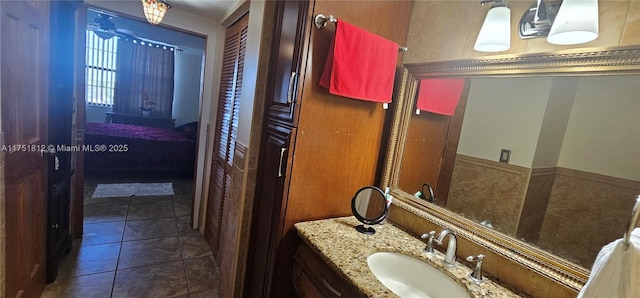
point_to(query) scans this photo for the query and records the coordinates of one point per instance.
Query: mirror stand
(365, 230)
(369, 206)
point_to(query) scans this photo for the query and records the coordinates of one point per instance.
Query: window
(100, 69)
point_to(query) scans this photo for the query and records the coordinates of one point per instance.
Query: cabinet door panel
(312, 277)
(287, 52)
(270, 197)
(303, 284)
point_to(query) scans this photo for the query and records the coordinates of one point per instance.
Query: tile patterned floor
(138, 247)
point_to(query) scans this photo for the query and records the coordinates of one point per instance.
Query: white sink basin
(409, 277)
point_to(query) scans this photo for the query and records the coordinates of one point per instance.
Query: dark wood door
(427, 133)
(77, 217)
(268, 214)
(24, 69)
(286, 56)
(226, 128)
(432, 139)
(61, 90)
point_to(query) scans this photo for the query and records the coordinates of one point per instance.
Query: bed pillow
(189, 130)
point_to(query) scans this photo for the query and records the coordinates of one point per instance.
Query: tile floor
(138, 247)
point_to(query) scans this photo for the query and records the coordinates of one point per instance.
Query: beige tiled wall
(631, 33)
(535, 203)
(586, 211)
(488, 190)
(446, 30)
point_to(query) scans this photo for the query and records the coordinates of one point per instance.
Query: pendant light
(154, 10)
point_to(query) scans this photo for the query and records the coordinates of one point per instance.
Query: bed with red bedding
(121, 147)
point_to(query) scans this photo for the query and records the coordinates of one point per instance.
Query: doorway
(125, 237)
(140, 150)
(133, 130)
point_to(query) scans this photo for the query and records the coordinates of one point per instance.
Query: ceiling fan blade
(126, 33)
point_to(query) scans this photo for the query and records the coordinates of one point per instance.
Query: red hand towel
(440, 96)
(360, 65)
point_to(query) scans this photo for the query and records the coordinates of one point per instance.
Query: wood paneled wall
(340, 141)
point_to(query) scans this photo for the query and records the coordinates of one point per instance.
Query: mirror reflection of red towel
(360, 65)
(439, 96)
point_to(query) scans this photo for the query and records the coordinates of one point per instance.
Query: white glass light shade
(576, 22)
(154, 10)
(495, 34)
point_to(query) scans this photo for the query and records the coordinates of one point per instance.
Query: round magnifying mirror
(369, 206)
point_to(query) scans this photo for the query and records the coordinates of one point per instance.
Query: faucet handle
(429, 236)
(476, 275)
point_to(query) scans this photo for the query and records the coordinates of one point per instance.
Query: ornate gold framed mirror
(580, 69)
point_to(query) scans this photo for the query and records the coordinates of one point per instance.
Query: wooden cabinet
(268, 208)
(305, 287)
(287, 53)
(278, 137)
(312, 277)
(316, 149)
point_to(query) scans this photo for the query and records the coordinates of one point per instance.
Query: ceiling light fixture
(495, 34)
(154, 10)
(562, 22)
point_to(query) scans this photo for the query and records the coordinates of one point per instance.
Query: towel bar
(320, 20)
(633, 222)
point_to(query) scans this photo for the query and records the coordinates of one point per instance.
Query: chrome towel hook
(321, 20)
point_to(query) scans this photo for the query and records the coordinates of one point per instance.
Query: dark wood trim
(451, 148)
(77, 216)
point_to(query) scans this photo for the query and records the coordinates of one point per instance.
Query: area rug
(133, 189)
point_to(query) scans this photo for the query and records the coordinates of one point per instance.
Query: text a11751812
(64, 148)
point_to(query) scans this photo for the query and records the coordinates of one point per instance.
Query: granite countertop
(345, 250)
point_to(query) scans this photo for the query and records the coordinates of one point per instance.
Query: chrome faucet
(476, 275)
(450, 256)
(429, 236)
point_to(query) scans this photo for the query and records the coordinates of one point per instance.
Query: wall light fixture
(495, 34)
(562, 22)
(576, 22)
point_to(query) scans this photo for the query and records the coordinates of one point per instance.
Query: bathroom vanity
(332, 261)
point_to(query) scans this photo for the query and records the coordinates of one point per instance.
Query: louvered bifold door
(226, 128)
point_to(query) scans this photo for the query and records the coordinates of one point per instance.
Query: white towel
(616, 271)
